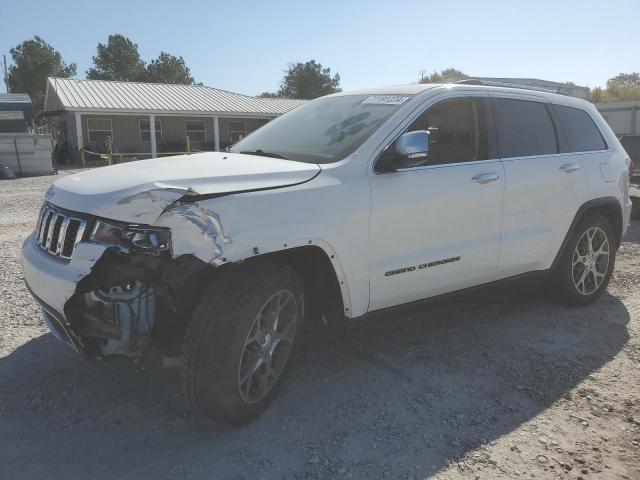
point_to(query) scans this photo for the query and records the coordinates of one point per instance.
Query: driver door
(435, 228)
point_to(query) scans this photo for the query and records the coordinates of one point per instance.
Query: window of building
(582, 134)
(457, 130)
(524, 128)
(98, 129)
(145, 130)
(236, 130)
(196, 130)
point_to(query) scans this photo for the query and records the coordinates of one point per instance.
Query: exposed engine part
(130, 300)
(121, 317)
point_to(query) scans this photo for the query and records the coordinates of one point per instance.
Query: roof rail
(491, 83)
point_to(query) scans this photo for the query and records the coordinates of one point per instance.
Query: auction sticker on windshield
(384, 100)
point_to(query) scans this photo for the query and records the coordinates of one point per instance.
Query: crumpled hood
(139, 191)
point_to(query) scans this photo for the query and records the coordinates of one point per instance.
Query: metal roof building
(23, 152)
(136, 97)
(89, 111)
(14, 98)
(15, 111)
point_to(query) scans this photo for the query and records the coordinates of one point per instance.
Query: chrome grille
(57, 232)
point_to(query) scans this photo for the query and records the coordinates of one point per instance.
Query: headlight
(132, 238)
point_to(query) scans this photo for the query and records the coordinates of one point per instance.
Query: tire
(226, 340)
(573, 282)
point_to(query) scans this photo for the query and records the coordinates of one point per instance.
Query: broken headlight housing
(132, 238)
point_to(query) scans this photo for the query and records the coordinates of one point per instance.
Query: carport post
(79, 137)
(152, 131)
(216, 134)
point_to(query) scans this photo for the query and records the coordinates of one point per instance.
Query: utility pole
(422, 72)
(6, 76)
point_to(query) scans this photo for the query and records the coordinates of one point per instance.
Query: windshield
(324, 130)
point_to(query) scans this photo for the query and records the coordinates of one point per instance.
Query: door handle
(485, 178)
(570, 167)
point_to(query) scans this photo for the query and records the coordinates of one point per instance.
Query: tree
(625, 80)
(117, 60)
(308, 80)
(598, 95)
(623, 87)
(448, 75)
(33, 61)
(268, 95)
(168, 68)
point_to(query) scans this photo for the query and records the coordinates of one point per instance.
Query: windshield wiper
(264, 154)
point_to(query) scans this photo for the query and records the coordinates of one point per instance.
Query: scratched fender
(242, 225)
(196, 230)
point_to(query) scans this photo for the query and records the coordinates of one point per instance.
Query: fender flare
(328, 250)
(582, 211)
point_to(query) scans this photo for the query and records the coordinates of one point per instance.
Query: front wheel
(586, 265)
(240, 341)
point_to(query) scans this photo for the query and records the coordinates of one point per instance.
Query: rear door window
(524, 128)
(579, 129)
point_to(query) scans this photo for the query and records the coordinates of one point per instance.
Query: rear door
(545, 184)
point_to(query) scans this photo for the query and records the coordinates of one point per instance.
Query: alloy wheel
(268, 345)
(590, 261)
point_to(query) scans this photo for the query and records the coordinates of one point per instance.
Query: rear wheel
(586, 265)
(240, 341)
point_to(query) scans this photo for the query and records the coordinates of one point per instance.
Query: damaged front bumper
(52, 282)
(105, 302)
(58, 325)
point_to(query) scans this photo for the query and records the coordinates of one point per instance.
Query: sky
(245, 46)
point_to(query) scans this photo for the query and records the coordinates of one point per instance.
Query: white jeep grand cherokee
(350, 204)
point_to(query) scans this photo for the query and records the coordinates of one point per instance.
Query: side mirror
(411, 150)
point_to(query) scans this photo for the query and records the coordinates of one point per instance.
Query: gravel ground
(503, 383)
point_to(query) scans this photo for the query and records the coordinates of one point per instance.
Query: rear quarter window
(581, 132)
(524, 128)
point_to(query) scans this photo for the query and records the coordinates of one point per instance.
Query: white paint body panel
(367, 224)
(533, 225)
(541, 200)
(431, 214)
(312, 213)
(53, 280)
(114, 192)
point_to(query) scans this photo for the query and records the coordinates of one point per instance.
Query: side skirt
(417, 304)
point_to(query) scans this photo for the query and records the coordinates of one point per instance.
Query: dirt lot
(499, 384)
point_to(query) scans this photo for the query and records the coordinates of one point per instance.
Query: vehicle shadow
(400, 396)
